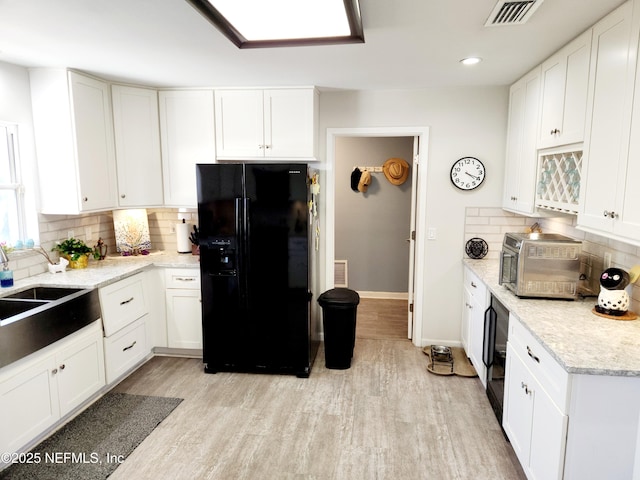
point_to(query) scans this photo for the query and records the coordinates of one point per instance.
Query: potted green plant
(74, 250)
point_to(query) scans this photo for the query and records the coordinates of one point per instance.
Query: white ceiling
(408, 44)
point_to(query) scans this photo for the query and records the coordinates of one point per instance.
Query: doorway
(417, 137)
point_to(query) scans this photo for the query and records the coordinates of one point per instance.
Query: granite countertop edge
(101, 273)
(580, 341)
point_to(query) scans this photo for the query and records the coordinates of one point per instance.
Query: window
(12, 217)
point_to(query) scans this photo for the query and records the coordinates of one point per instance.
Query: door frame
(422, 134)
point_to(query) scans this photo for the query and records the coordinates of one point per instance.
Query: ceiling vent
(512, 13)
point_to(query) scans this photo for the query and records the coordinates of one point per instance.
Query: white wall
(462, 122)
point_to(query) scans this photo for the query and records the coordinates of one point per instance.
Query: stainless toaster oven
(544, 265)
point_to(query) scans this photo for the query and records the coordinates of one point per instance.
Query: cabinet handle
(555, 131)
(54, 371)
(185, 279)
(130, 346)
(474, 285)
(62, 367)
(530, 353)
(85, 199)
(260, 147)
(267, 146)
(610, 214)
(124, 302)
(525, 387)
(122, 196)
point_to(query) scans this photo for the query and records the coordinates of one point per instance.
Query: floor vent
(512, 13)
(340, 273)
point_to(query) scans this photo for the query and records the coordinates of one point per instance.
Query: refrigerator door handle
(240, 253)
(246, 245)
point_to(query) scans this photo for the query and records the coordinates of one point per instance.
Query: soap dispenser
(6, 275)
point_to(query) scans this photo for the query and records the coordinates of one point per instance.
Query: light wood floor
(384, 418)
(381, 319)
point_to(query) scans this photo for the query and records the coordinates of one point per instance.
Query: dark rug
(92, 445)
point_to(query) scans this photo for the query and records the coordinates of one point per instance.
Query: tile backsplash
(90, 227)
(492, 223)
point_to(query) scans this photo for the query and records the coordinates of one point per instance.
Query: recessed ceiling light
(277, 23)
(470, 60)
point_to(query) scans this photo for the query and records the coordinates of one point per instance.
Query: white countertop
(582, 342)
(103, 272)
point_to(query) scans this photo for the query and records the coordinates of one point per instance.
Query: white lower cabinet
(535, 415)
(567, 426)
(184, 311)
(535, 425)
(124, 312)
(476, 301)
(124, 349)
(39, 390)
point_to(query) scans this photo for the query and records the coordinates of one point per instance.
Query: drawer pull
(63, 366)
(124, 302)
(185, 279)
(130, 346)
(473, 285)
(530, 353)
(525, 387)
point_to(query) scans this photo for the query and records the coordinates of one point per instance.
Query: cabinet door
(94, 142)
(535, 426)
(608, 119)
(240, 124)
(564, 84)
(80, 370)
(521, 161)
(187, 137)
(467, 301)
(476, 338)
(137, 139)
(548, 437)
(31, 391)
(184, 318)
(290, 123)
(74, 141)
(517, 417)
(627, 224)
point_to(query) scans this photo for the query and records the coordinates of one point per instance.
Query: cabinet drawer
(184, 278)
(475, 286)
(552, 377)
(126, 348)
(122, 303)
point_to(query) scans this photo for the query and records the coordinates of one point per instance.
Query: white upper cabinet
(521, 161)
(273, 124)
(564, 85)
(187, 136)
(74, 142)
(609, 198)
(137, 140)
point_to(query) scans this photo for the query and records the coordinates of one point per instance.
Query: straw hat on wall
(396, 170)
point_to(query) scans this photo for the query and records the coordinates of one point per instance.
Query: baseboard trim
(385, 295)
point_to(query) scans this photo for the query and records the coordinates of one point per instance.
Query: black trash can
(339, 308)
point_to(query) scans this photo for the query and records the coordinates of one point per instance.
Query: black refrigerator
(254, 262)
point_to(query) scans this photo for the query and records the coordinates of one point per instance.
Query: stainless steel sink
(43, 293)
(35, 317)
(11, 308)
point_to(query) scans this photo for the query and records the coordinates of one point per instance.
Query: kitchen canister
(182, 237)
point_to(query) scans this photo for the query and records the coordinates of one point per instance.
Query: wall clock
(467, 173)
